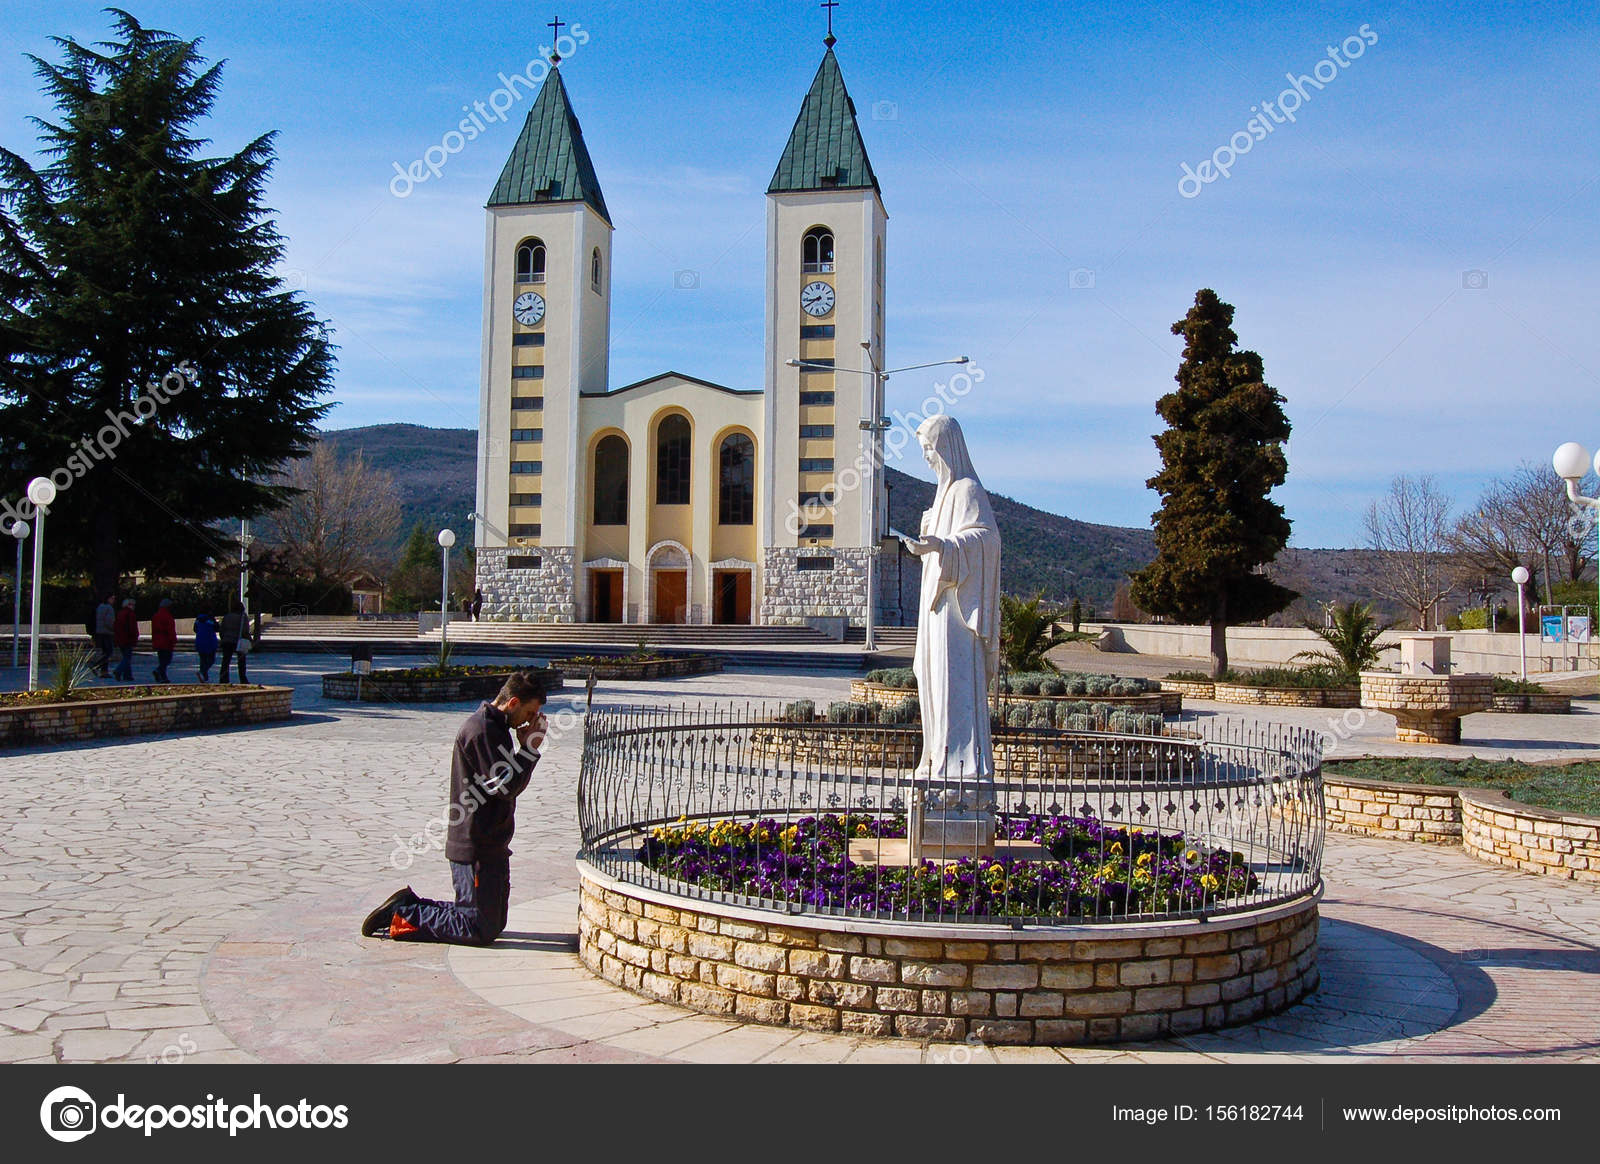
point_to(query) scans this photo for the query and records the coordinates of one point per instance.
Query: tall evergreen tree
(131, 259)
(1222, 455)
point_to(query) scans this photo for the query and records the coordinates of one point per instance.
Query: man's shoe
(377, 922)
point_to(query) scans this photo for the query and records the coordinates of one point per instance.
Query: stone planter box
(1487, 823)
(422, 688)
(1533, 703)
(1193, 688)
(1165, 702)
(1018, 754)
(1286, 696)
(625, 668)
(1099, 983)
(60, 723)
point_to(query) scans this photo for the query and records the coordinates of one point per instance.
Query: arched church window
(736, 480)
(816, 250)
(672, 461)
(611, 481)
(530, 261)
(594, 268)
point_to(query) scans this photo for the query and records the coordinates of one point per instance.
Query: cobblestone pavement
(196, 897)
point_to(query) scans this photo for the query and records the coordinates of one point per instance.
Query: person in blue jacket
(205, 643)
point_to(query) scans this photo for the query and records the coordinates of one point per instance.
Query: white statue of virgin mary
(958, 619)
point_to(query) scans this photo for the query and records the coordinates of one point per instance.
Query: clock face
(528, 308)
(816, 298)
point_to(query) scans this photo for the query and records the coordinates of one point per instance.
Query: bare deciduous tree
(1408, 529)
(1522, 520)
(342, 521)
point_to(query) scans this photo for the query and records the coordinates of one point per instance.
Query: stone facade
(1075, 984)
(1193, 688)
(547, 594)
(59, 723)
(791, 595)
(1427, 708)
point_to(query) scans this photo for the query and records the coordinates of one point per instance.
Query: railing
(736, 805)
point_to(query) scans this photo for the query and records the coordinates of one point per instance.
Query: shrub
(1025, 685)
(1127, 687)
(1017, 717)
(848, 711)
(800, 711)
(906, 711)
(900, 678)
(1078, 685)
(1505, 685)
(1189, 677)
(1052, 686)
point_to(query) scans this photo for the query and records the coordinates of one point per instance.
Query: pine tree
(131, 259)
(1222, 455)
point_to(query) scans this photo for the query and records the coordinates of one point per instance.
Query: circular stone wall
(1072, 984)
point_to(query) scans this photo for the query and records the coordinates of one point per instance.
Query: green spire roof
(550, 163)
(825, 150)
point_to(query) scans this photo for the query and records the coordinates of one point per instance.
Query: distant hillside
(435, 469)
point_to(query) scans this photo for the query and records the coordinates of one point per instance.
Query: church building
(674, 499)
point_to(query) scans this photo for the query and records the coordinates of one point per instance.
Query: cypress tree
(1222, 455)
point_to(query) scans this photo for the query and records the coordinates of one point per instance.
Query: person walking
(105, 625)
(205, 643)
(234, 638)
(493, 760)
(477, 604)
(125, 633)
(164, 638)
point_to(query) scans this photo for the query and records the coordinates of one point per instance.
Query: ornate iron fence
(735, 804)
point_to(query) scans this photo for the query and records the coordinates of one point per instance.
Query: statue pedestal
(949, 833)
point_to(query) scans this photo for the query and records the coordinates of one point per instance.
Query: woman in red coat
(125, 633)
(164, 638)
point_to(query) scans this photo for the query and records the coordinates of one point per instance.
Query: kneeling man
(488, 771)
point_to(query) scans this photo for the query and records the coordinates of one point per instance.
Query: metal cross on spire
(555, 27)
(830, 40)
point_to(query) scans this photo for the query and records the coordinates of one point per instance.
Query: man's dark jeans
(163, 661)
(227, 657)
(478, 914)
(106, 645)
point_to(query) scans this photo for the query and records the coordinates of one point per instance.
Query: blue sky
(1016, 145)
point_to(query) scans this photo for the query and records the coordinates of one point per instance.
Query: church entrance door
(730, 597)
(605, 595)
(671, 590)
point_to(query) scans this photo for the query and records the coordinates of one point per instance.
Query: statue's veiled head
(945, 449)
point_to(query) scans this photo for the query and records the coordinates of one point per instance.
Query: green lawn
(1565, 787)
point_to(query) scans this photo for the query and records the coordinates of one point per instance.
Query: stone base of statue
(947, 832)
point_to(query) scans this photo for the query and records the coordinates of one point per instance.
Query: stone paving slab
(194, 898)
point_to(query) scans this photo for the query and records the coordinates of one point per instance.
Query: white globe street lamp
(42, 492)
(447, 538)
(1571, 463)
(20, 531)
(1520, 577)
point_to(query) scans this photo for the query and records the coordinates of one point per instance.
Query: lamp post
(1571, 462)
(19, 530)
(1520, 577)
(42, 492)
(447, 538)
(875, 424)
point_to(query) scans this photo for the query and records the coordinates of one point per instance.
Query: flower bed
(429, 684)
(99, 713)
(634, 667)
(1531, 703)
(1163, 702)
(1096, 871)
(1193, 688)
